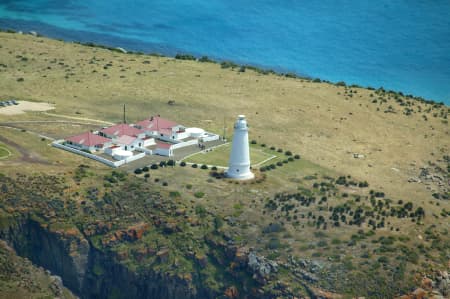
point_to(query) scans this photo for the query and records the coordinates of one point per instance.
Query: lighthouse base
(239, 176)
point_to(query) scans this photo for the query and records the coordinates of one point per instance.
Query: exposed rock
(232, 292)
(427, 284)
(261, 265)
(201, 259)
(419, 293)
(163, 255)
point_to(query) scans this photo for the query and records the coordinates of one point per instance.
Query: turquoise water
(397, 44)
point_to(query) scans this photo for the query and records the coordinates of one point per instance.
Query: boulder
(163, 255)
(232, 292)
(427, 284)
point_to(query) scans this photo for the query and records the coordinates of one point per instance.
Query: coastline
(114, 44)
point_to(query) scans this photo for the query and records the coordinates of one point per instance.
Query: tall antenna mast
(124, 115)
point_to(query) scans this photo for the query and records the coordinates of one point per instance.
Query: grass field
(219, 156)
(4, 152)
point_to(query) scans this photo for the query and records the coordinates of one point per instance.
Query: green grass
(220, 156)
(4, 152)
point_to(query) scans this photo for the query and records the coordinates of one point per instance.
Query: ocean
(401, 45)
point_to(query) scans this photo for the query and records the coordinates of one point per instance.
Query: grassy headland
(368, 198)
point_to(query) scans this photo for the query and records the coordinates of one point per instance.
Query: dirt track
(27, 156)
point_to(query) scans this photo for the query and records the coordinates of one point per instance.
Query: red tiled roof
(156, 123)
(163, 145)
(88, 139)
(125, 139)
(122, 129)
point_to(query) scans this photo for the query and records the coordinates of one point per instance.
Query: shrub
(194, 165)
(297, 157)
(147, 175)
(214, 168)
(280, 150)
(184, 57)
(290, 159)
(154, 166)
(182, 164)
(189, 186)
(279, 163)
(263, 145)
(272, 148)
(199, 194)
(200, 210)
(145, 169)
(162, 164)
(204, 166)
(165, 184)
(138, 171)
(253, 141)
(218, 222)
(288, 153)
(171, 163)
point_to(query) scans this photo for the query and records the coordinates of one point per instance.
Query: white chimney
(239, 165)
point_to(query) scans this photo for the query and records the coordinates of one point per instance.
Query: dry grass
(305, 117)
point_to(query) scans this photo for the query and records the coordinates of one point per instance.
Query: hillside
(368, 198)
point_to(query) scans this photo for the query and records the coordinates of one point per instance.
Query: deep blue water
(403, 45)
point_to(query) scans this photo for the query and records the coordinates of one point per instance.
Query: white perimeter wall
(58, 144)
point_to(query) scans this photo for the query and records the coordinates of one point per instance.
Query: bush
(288, 153)
(138, 171)
(204, 166)
(280, 150)
(154, 166)
(297, 157)
(253, 141)
(162, 164)
(184, 57)
(272, 148)
(165, 184)
(199, 194)
(145, 169)
(147, 175)
(182, 164)
(171, 163)
(290, 159)
(263, 145)
(279, 163)
(194, 165)
(214, 168)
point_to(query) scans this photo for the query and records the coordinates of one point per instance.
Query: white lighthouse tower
(239, 165)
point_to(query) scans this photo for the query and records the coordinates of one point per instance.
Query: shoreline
(230, 64)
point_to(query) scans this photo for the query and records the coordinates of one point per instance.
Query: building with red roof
(119, 130)
(164, 149)
(163, 129)
(88, 141)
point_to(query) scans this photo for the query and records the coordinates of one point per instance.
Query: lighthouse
(239, 165)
